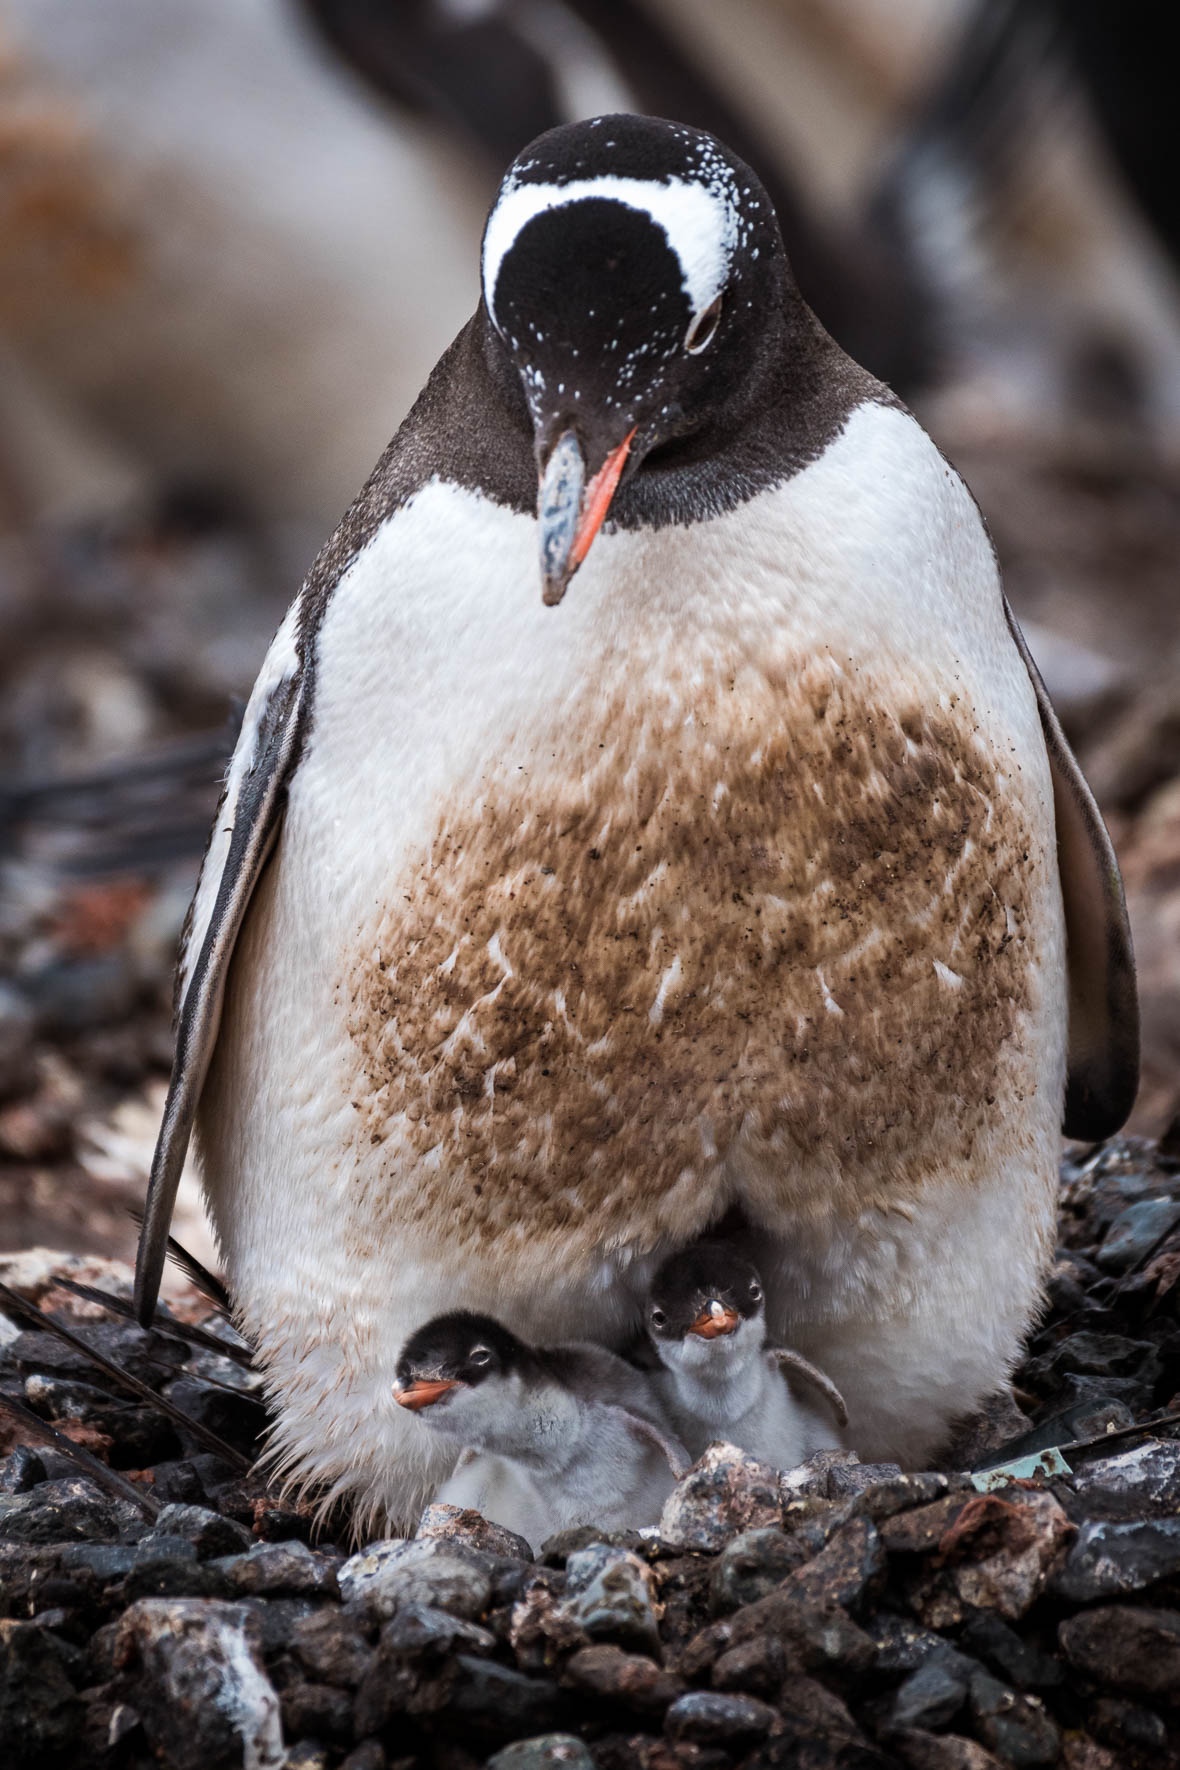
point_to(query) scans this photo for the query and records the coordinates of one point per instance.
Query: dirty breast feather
(798, 921)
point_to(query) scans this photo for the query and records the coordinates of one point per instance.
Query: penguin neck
(728, 1381)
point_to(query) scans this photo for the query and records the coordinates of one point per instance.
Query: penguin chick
(707, 1320)
(554, 1436)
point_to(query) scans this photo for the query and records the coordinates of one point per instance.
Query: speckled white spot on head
(700, 221)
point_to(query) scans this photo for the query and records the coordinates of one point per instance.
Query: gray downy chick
(551, 1436)
(719, 1380)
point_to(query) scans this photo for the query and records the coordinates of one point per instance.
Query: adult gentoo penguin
(534, 940)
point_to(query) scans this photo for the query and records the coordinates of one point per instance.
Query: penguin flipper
(250, 815)
(796, 1365)
(671, 1449)
(1103, 1074)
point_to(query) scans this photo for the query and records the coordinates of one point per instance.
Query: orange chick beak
(714, 1319)
(421, 1393)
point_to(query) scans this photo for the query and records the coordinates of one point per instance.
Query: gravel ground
(162, 1607)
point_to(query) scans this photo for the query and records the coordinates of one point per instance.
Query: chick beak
(421, 1393)
(570, 512)
(714, 1319)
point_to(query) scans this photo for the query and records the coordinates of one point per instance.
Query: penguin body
(551, 1437)
(533, 940)
(706, 1318)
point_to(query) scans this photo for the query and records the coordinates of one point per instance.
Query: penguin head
(636, 292)
(706, 1308)
(451, 1368)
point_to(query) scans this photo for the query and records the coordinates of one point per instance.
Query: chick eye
(479, 1355)
(701, 330)
(755, 1291)
(658, 1318)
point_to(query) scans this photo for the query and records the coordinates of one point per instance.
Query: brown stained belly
(720, 939)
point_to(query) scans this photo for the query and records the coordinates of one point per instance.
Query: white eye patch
(699, 221)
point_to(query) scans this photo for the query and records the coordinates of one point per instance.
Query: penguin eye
(479, 1355)
(701, 330)
(658, 1318)
(755, 1291)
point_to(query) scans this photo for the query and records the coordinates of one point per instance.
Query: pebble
(268, 1569)
(199, 1687)
(1135, 1231)
(459, 1525)
(1148, 1473)
(750, 1566)
(40, 1714)
(1005, 1549)
(209, 1532)
(1014, 1726)
(611, 1596)
(844, 1570)
(707, 1718)
(1130, 1727)
(1111, 1558)
(633, 1680)
(724, 1492)
(934, 1694)
(73, 1510)
(812, 1478)
(416, 1629)
(549, 1751)
(21, 1470)
(330, 1648)
(498, 1701)
(1130, 1647)
(756, 1667)
(429, 1571)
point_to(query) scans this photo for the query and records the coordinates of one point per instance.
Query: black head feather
(688, 1281)
(463, 1347)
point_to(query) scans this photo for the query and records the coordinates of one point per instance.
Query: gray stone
(1147, 1472)
(331, 1648)
(63, 1511)
(1130, 1728)
(900, 1643)
(498, 1701)
(106, 1561)
(1135, 1232)
(753, 1668)
(446, 1575)
(200, 1689)
(1127, 1646)
(461, 1525)
(706, 1717)
(1109, 1559)
(751, 1566)
(158, 1547)
(812, 1479)
(852, 1561)
(291, 1568)
(418, 1628)
(209, 1532)
(629, 1680)
(723, 1493)
(1013, 1726)
(934, 1694)
(40, 1714)
(611, 1596)
(548, 1751)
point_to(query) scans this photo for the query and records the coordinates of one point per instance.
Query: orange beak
(571, 513)
(421, 1394)
(713, 1320)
